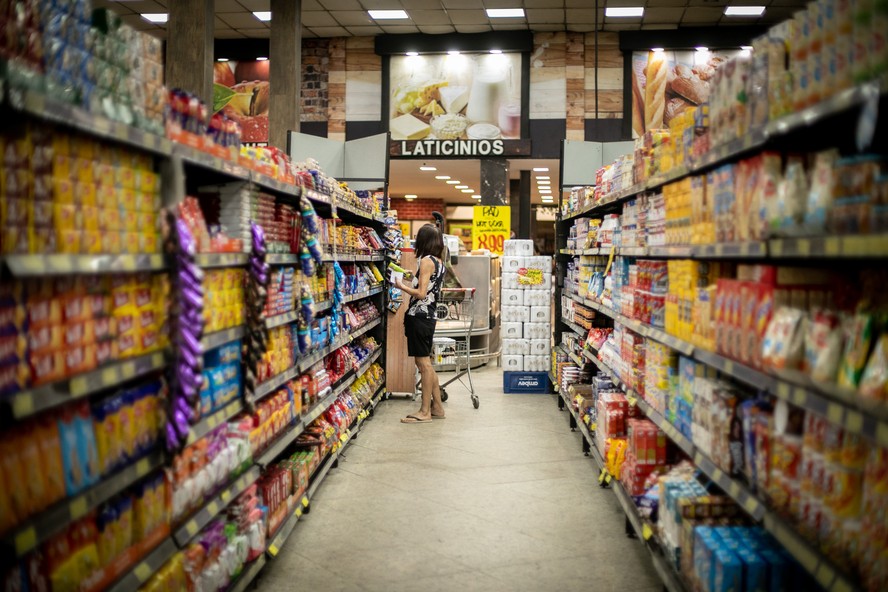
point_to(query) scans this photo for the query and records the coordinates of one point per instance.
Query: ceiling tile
(311, 5)
(657, 27)
(701, 15)
(362, 31)
(399, 29)
(257, 5)
(256, 33)
(228, 34)
(342, 4)
(352, 17)
(228, 6)
(436, 29)
(467, 17)
(665, 3)
(708, 3)
(382, 4)
(516, 3)
(317, 18)
(463, 4)
(242, 20)
(578, 3)
(329, 31)
(220, 24)
(547, 3)
(308, 35)
(626, 3)
(472, 28)
(663, 15)
(580, 27)
(429, 17)
(508, 26)
(552, 27)
(622, 27)
(583, 15)
(423, 5)
(545, 15)
(140, 6)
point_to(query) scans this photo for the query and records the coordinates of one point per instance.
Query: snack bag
(874, 381)
(861, 332)
(823, 345)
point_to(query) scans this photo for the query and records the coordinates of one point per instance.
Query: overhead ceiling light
(541, 169)
(624, 11)
(702, 49)
(744, 10)
(157, 18)
(221, 59)
(441, 177)
(428, 168)
(476, 196)
(382, 15)
(262, 59)
(545, 190)
(452, 182)
(746, 51)
(462, 187)
(453, 52)
(410, 196)
(543, 177)
(496, 51)
(467, 190)
(546, 198)
(412, 53)
(505, 12)
(657, 49)
(263, 15)
(543, 184)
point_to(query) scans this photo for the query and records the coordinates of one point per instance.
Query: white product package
(510, 281)
(539, 314)
(513, 298)
(518, 247)
(536, 331)
(546, 285)
(513, 363)
(537, 298)
(516, 347)
(536, 363)
(538, 347)
(512, 264)
(543, 263)
(515, 314)
(512, 330)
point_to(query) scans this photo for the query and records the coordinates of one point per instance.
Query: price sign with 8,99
(491, 226)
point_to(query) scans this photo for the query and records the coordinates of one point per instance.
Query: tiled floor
(500, 498)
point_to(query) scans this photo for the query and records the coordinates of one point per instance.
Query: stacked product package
(526, 308)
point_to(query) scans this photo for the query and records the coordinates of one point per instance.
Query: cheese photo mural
(455, 97)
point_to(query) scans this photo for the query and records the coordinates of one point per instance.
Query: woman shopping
(420, 320)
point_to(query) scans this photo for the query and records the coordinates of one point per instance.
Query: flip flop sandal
(439, 417)
(414, 419)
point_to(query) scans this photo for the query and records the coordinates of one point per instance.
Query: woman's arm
(426, 267)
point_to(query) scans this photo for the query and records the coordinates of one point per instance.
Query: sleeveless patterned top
(424, 308)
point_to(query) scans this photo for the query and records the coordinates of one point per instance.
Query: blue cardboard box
(526, 382)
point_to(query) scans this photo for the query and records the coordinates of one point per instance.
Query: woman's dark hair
(429, 241)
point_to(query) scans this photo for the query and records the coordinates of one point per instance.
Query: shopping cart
(455, 314)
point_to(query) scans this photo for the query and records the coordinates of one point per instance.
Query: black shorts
(420, 333)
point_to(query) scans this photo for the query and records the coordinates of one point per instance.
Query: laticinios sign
(470, 148)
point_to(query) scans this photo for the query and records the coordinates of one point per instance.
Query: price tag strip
(203, 517)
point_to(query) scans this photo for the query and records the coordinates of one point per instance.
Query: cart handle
(469, 291)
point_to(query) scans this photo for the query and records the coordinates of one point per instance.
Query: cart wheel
(475, 401)
(443, 395)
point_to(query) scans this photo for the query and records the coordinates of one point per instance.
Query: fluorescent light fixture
(262, 59)
(382, 15)
(624, 11)
(505, 12)
(546, 177)
(410, 196)
(746, 47)
(453, 52)
(546, 199)
(221, 59)
(541, 169)
(263, 15)
(744, 10)
(496, 51)
(158, 18)
(543, 184)
(413, 53)
(467, 190)
(702, 49)
(745, 51)
(476, 196)
(657, 49)
(462, 187)
(452, 182)
(442, 177)
(428, 168)
(541, 190)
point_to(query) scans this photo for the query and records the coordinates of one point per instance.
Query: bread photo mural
(667, 83)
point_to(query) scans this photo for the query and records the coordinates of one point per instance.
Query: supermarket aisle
(495, 499)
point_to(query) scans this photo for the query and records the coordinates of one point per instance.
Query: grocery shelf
(28, 536)
(51, 110)
(576, 359)
(220, 501)
(354, 257)
(575, 328)
(194, 157)
(212, 421)
(144, 569)
(553, 381)
(215, 260)
(293, 315)
(293, 259)
(24, 266)
(285, 529)
(361, 295)
(862, 246)
(282, 258)
(740, 250)
(270, 454)
(249, 573)
(753, 139)
(27, 403)
(220, 338)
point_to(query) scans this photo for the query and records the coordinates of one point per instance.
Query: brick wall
(418, 209)
(315, 70)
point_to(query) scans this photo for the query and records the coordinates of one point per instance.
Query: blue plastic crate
(526, 382)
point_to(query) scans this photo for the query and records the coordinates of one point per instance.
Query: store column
(189, 63)
(522, 204)
(285, 77)
(494, 181)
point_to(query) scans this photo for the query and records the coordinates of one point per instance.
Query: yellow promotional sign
(491, 226)
(405, 228)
